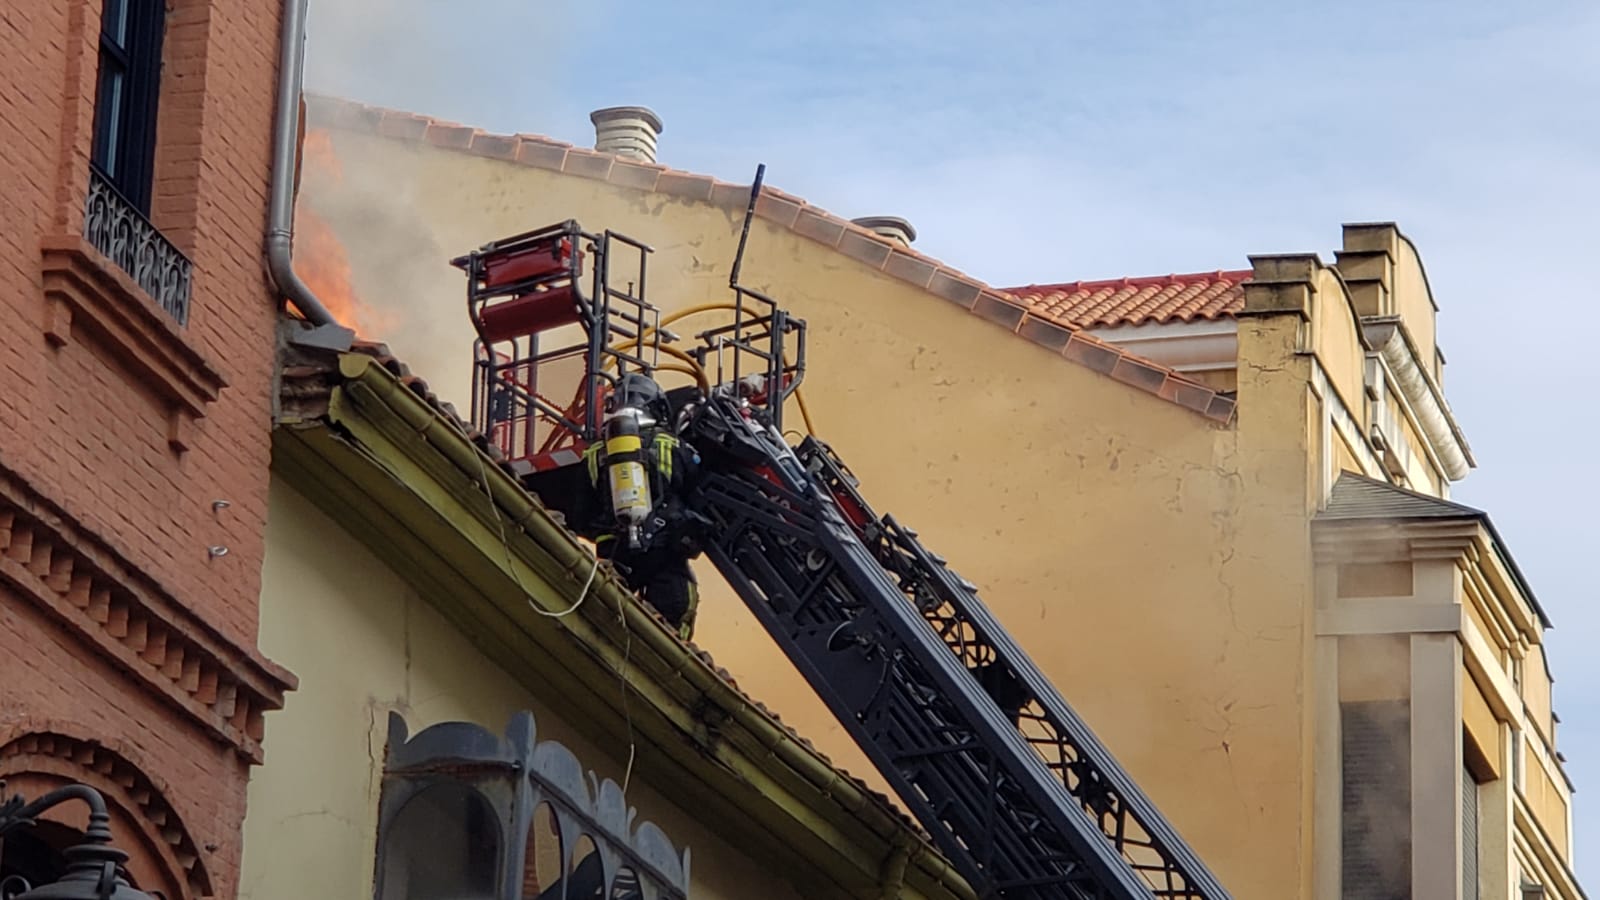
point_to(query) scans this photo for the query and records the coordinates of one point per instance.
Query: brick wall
(83, 421)
(73, 419)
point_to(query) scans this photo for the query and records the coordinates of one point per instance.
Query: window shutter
(1376, 823)
(1469, 835)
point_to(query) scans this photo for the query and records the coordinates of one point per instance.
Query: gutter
(328, 332)
(905, 850)
(1388, 336)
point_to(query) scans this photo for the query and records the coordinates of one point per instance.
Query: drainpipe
(327, 332)
(892, 874)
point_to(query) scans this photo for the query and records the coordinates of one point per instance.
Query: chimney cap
(613, 113)
(888, 226)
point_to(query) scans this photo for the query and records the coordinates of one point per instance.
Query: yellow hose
(671, 367)
(690, 366)
(699, 373)
(805, 414)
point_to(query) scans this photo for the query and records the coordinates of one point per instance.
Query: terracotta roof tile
(1162, 299)
(495, 146)
(1136, 301)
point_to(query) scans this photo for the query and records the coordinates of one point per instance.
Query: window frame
(123, 148)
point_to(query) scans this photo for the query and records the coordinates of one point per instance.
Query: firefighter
(638, 474)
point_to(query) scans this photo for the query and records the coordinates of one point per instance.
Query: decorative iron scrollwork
(12, 815)
(514, 775)
(127, 238)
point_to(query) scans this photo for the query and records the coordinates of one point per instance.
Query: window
(122, 158)
(1375, 766)
(126, 97)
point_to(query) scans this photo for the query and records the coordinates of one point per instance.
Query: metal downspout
(280, 223)
(892, 874)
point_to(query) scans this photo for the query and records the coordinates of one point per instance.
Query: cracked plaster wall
(1154, 564)
(364, 643)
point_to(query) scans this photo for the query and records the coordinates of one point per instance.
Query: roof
(786, 211)
(311, 378)
(1204, 296)
(1359, 498)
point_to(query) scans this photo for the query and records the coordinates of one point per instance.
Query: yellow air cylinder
(630, 483)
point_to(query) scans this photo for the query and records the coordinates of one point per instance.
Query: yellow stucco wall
(1336, 338)
(1548, 800)
(1156, 565)
(362, 644)
(1536, 690)
(1414, 303)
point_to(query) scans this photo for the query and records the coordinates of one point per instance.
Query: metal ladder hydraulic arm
(1010, 783)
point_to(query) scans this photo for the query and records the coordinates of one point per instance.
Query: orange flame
(320, 257)
(316, 148)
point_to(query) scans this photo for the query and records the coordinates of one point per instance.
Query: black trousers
(660, 577)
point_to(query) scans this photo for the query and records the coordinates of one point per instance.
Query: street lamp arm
(14, 813)
(94, 867)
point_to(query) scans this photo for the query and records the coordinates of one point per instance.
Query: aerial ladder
(1010, 783)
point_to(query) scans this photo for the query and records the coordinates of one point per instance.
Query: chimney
(891, 227)
(627, 131)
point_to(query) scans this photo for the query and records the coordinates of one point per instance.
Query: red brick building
(136, 359)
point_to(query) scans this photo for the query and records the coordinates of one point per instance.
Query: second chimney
(627, 131)
(891, 227)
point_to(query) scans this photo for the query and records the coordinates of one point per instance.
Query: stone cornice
(1388, 336)
(1365, 541)
(73, 577)
(1467, 540)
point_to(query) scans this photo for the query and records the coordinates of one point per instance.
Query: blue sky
(1045, 142)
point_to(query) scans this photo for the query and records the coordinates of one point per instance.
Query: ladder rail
(980, 789)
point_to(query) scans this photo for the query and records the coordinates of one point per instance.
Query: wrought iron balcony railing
(117, 229)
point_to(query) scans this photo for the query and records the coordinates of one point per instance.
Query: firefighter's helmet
(639, 391)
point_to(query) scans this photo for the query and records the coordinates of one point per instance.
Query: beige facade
(1150, 537)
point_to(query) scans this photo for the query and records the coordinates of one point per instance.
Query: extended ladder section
(547, 347)
(1011, 784)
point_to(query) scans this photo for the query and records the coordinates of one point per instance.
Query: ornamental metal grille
(116, 228)
(463, 810)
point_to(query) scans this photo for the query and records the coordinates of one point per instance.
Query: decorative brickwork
(38, 752)
(124, 617)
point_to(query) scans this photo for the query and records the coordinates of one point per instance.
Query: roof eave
(378, 441)
(791, 213)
